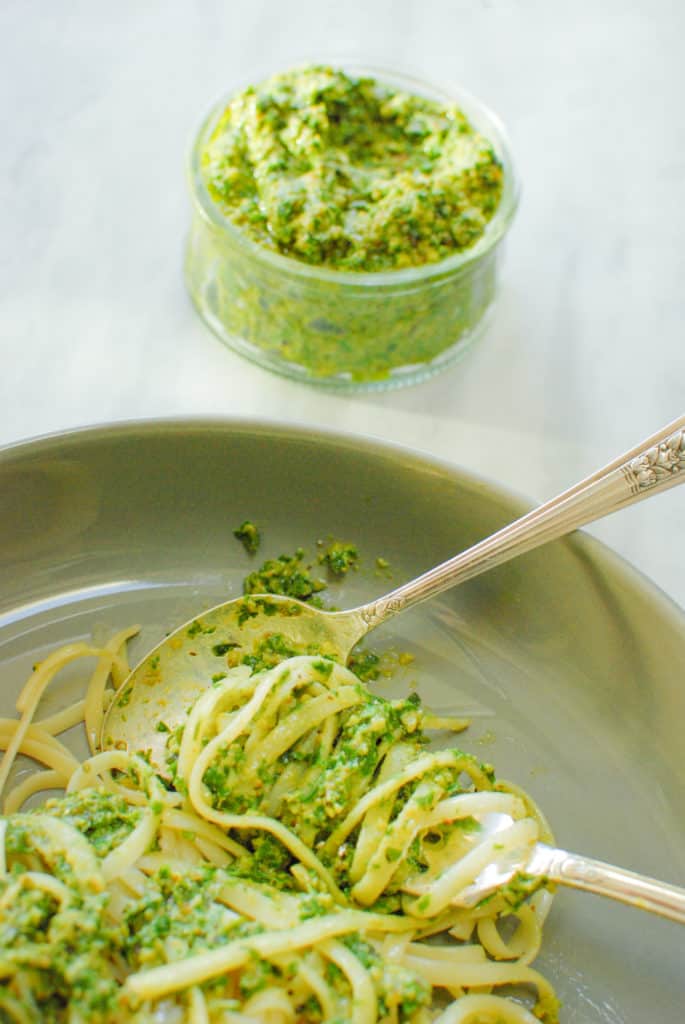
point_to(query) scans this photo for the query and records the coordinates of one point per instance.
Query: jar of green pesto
(347, 224)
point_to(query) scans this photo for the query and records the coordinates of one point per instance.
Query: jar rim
(480, 116)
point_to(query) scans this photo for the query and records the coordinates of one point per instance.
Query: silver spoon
(159, 691)
(542, 861)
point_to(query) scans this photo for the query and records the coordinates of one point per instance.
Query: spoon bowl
(158, 694)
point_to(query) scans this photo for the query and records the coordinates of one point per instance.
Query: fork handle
(655, 465)
(618, 884)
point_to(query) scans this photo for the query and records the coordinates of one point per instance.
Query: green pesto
(223, 648)
(520, 888)
(105, 819)
(249, 536)
(365, 665)
(335, 782)
(251, 606)
(69, 947)
(187, 909)
(70, 952)
(275, 648)
(77, 956)
(348, 173)
(291, 575)
(287, 575)
(339, 557)
(409, 992)
(345, 174)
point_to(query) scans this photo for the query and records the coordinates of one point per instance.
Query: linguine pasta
(298, 863)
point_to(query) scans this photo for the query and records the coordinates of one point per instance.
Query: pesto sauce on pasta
(291, 871)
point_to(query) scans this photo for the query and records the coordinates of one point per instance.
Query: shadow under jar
(347, 330)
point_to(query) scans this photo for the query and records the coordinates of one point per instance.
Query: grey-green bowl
(570, 663)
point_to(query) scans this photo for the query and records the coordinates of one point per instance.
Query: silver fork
(541, 861)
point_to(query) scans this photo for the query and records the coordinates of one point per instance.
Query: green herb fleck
(340, 557)
(249, 536)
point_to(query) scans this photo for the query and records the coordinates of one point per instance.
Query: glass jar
(346, 330)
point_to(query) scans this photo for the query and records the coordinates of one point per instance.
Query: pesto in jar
(346, 230)
(351, 174)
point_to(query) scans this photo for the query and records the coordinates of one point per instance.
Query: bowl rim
(630, 574)
(479, 114)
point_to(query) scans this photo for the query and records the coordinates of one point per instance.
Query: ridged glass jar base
(345, 338)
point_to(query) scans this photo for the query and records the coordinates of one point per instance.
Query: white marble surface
(586, 356)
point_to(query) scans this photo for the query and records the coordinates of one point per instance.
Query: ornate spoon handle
(607, 880)
(649, 468)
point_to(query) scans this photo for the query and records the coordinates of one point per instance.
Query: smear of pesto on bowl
(349, 173)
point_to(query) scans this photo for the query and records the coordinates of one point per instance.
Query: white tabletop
(585, 356)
